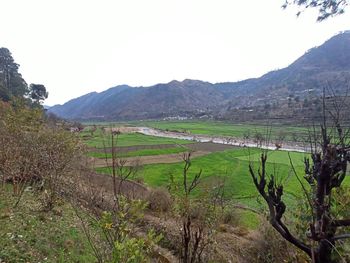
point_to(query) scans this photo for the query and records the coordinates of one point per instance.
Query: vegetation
(30, 235)
(13, 86)
(326, 172)
(231, 165)
(41, 163)
(325, 8)
(55, 207)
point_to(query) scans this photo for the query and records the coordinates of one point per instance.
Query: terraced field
(161, 159)
(102, 140)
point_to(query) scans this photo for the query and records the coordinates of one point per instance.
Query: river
(222, 140)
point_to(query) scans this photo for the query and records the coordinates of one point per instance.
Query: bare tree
(326, 171)
(196, 230)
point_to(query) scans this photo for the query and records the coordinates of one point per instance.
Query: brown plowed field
(152, 159)
(124, 149)
(198, 146)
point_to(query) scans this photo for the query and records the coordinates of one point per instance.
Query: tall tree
(37, 93)
(11, 82)
(326, 8)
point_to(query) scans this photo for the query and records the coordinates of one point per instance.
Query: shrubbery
(34, 154)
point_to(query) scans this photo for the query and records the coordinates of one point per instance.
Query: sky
(74, 47)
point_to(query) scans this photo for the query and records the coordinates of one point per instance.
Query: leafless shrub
(159, 199)
(230, 217)
(34, 154)
(196, 217)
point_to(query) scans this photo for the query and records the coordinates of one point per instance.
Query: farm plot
(138, 149)
(231, 166)
(149, 159)
(217, 161)
(125, 152)
(101, 140)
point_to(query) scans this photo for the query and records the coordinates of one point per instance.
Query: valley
(157, 160)
(164, 166)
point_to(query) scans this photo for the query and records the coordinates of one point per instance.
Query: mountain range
(325, 66)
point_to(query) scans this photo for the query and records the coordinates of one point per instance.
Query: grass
(278, 157)
(27, 235)
(145, 152)
(99, 140)
(248, 219)
(232, 165)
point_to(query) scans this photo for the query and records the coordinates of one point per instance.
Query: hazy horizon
(77, 47)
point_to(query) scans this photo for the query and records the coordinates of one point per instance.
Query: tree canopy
(37, 93)
(11, 82)
(12, 85)
(326, 8)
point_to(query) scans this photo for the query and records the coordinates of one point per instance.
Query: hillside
(326, 65)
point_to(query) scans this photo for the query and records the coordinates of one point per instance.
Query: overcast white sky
(77, 46)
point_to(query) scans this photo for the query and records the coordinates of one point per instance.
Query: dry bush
(34, 154)
(230, 217)
(270, 247)
(160, 200)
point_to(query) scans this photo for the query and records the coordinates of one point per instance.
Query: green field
(100, 140)
(145, 152)
(233, 165)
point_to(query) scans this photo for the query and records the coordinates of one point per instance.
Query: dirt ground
(129, 188)
(199, 149)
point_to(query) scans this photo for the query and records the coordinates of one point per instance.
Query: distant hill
(325, 66)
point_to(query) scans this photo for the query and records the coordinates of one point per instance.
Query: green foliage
(116, 231)
(11, 82)
(14, 88)
(135, 250)
(129, 251)
(37, 93)
(302, 216)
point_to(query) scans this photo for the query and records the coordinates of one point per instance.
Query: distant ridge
(328, 64)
